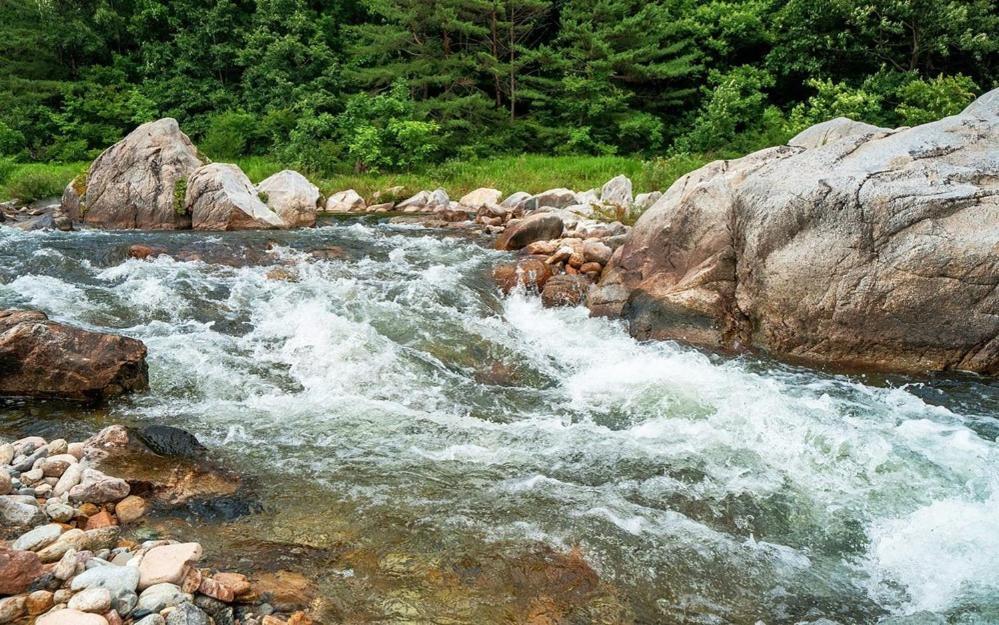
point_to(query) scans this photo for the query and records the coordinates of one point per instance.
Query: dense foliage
(388, 84)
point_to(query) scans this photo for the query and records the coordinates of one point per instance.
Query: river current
(451, 452)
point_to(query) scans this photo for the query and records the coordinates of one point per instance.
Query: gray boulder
(291, 195)
(832, 131)
(877, 249)
(552, 198)
(617, 192)
(134, 183)
(345, 202)
(221, 197)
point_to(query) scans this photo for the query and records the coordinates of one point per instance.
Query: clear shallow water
(415, 426)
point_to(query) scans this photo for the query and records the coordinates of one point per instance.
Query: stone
(438, 201)
(70, 478)
(95, 600)
(158, 597)
(291, 195)
(135, 182)
(165, 440)
(58, 447)
(101, 519)
(152, 619)
(48, 359)
(858, 252)
(832, 131)
(97, 488)
(552, 198)
(20, 511)
(11, 609)
(39, 602)
(539, 227)
(71, 617)
(348, 201)
(588, 197)
(415, 203)
(111, 439)
(532, 273)
(119, 581)
(594, 268)
(18, 569)
(55, 466)
(167, 564)
(220, 197)
(565, 290)
(300, 618)
(481, 198)
(238, 583)
(6, 484)
(617, 192)
(381, 208)
(142, 252)
(187, 614)
(80, 540)
(131, 509)
(6, 453)
(211, 588)
(38, 538)
(645, 201)
(596, 252)
(60, 512)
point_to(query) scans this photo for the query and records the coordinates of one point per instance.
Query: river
(438, 453)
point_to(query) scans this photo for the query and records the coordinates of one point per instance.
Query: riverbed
(429, 451)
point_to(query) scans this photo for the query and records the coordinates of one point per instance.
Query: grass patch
(34, 181)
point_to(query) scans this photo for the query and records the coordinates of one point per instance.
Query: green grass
(35, 181)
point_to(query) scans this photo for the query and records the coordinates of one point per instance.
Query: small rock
(94, 600)
(236, 582)
(118, 580)
(55, 466)
(89, 540)
(152, 619)
(6, 484)
(131, 509)
(38, 538)
(596, 252)
(20, 510)
(12, 608)
(70, 478)
(169, 441)
(345, 202)
(211, 588)
(96, 487)
(101, 519)
(158, 597)
(18, 569)
(6, 453)
(187, 614)
(71, 617)
(167, 564)
(39, 601)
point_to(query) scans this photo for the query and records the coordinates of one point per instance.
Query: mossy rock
(179, 192)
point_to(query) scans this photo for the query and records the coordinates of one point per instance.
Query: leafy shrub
(235, 133)
(7, 169)
(925, 101)
(11, 140)
(838, 100)
(179, 195)
(35, 184)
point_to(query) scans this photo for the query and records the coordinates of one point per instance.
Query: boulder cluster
(64, 559)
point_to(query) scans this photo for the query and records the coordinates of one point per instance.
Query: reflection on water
(431, 452)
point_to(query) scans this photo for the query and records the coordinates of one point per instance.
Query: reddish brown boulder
(17, 570)
(565, 290)
(537, 227)
(532, 272)
(42, 358)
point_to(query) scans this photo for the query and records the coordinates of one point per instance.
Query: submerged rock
(42, 358)
(138, 182)
(857, 246)
(221, 197)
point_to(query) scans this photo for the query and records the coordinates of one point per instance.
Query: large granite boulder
(42, 358)
(858, 246)
(221, 197)
(291, 195)
(137, 182)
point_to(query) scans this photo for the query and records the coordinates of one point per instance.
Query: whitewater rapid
(736, 489)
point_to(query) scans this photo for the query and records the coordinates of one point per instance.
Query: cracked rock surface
(869, 248)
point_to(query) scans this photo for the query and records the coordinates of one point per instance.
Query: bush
(35, 184)
(7, 169)
(862, 104)
(925, 101)
(234, 133)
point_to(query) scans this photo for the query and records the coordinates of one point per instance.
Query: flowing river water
(428, 451)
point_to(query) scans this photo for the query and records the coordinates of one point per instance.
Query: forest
(393, 85)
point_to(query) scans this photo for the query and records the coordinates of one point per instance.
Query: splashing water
(394, 390)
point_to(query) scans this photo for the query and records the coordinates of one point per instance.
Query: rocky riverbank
(69, 555)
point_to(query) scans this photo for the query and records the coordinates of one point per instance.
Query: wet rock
(164, 440)
(94, 600)
(857, 252)
(220, 613)
(38, 538)
(239, 584)
(531, 273)
(71, 617)
(596, 252)
(42, 358)
(348, 201)
(286, 589)
(168, 564)
(96, 487)
(131, 509)
(18, 569)
(211, 588)
(539, 227)
(142, 252)
(290, 195)
(134, 183)
(565, 290)
(221, 197)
